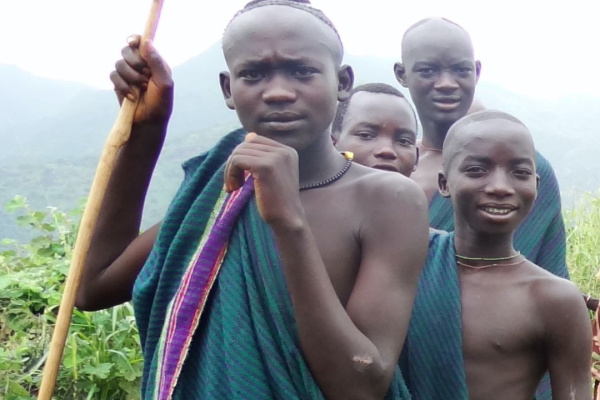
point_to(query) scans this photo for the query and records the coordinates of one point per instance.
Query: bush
(102, 357)
(583, 244)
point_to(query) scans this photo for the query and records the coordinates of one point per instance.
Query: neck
(469, 243)
(319, 161)
(434, 134)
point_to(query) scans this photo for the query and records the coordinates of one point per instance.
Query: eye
(365, 135)
(302, 72)
(523, 173)
(475, 170)
(426, 71)
(404, 141)
(463, 71)
(252, 74)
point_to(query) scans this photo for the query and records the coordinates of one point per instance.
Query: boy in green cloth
(272, 275)
(439, 69)
(487, 322)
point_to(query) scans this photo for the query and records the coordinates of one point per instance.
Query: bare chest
(334, 222)
(498, 318)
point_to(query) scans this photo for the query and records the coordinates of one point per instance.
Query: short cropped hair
(303, 5)
(383, 88)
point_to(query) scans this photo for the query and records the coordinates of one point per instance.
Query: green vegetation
(102, 358)
(583, 243)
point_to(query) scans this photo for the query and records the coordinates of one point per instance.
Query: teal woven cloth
(246, 344)
(432, 360)
(540, 237)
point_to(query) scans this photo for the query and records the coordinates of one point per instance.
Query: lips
(446, 103)
(498, 210)
(282, 121)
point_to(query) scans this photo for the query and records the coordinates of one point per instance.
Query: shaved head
(466, 130)
(431, 30)
(249, 18)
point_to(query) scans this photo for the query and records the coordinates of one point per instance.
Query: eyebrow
(480, 159)
(522, 160)
(259, 63)
(368, 125)
(418, 64)
(378, 127)
(514, 161)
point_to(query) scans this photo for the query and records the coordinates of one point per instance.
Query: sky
(539, 48)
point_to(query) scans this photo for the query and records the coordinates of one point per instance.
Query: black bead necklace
(349, 156)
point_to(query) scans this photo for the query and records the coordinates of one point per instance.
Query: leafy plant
(583, 243)
(102, 357)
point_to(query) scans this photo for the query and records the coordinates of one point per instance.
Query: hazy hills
(51, 132)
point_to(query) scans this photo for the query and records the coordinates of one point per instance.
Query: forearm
(121, 211)
(345, 363)
(119, 220)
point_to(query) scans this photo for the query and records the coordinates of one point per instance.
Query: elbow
(371, 380)
(83, 302)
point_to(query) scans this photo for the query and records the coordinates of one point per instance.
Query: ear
(416, 159)
(477, 70)
(400, 73)
(346, 82)
(443, 185)
(225, 82)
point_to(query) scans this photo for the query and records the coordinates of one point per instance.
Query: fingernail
(130, 40)
(130, 96)
(250, 136)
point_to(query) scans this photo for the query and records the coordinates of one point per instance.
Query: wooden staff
(118, 136)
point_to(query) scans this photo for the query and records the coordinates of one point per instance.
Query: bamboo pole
(118, 136)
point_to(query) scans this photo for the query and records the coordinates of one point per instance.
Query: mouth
(447, 103)
(282, 121)
(498, 210)
(386, 167)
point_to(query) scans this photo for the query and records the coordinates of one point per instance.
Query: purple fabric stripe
(183, 318)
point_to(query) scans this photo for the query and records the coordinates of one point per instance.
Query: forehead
(436, 40)
(281, 31)
(380, 108)
(495, 139)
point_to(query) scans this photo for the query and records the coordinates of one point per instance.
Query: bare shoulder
(384, 192)
(555, 297)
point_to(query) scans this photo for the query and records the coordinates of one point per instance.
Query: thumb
(161, 73)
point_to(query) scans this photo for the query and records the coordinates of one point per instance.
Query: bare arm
(351, 352)
(568, 343)
(118, 252)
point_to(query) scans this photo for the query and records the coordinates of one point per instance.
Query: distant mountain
(52, 132)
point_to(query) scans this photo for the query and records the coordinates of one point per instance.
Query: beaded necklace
(489, 265)
(349, 156)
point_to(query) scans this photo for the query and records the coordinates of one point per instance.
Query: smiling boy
(511, 320)
(439, 69)
(272, 275)
(379, 126)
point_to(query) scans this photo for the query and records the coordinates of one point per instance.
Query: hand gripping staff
(118, 136)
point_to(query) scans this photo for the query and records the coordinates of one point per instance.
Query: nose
(499, 184)
(279, 90)
(446, 82)
(385, 150)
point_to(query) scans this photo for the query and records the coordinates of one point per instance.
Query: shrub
(102, 357)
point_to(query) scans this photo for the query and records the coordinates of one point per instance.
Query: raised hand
(274, 167)
(143, 68)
